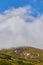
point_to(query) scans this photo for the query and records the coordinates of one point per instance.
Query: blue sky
(36, 4)
(21, 23)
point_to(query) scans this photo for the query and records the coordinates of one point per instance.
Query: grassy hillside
(21, 56)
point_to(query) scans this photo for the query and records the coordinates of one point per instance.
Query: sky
(21, 23)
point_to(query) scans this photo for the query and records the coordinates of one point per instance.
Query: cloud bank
(19, 28)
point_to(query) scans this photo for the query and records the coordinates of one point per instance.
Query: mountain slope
(21, 56)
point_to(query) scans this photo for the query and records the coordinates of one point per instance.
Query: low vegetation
(21, 56)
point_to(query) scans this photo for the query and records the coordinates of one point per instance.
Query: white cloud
(17, 30)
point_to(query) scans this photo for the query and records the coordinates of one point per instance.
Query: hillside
(21, 56)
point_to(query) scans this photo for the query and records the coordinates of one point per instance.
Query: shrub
(5, 63)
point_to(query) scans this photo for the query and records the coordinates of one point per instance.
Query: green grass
(7, 56)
